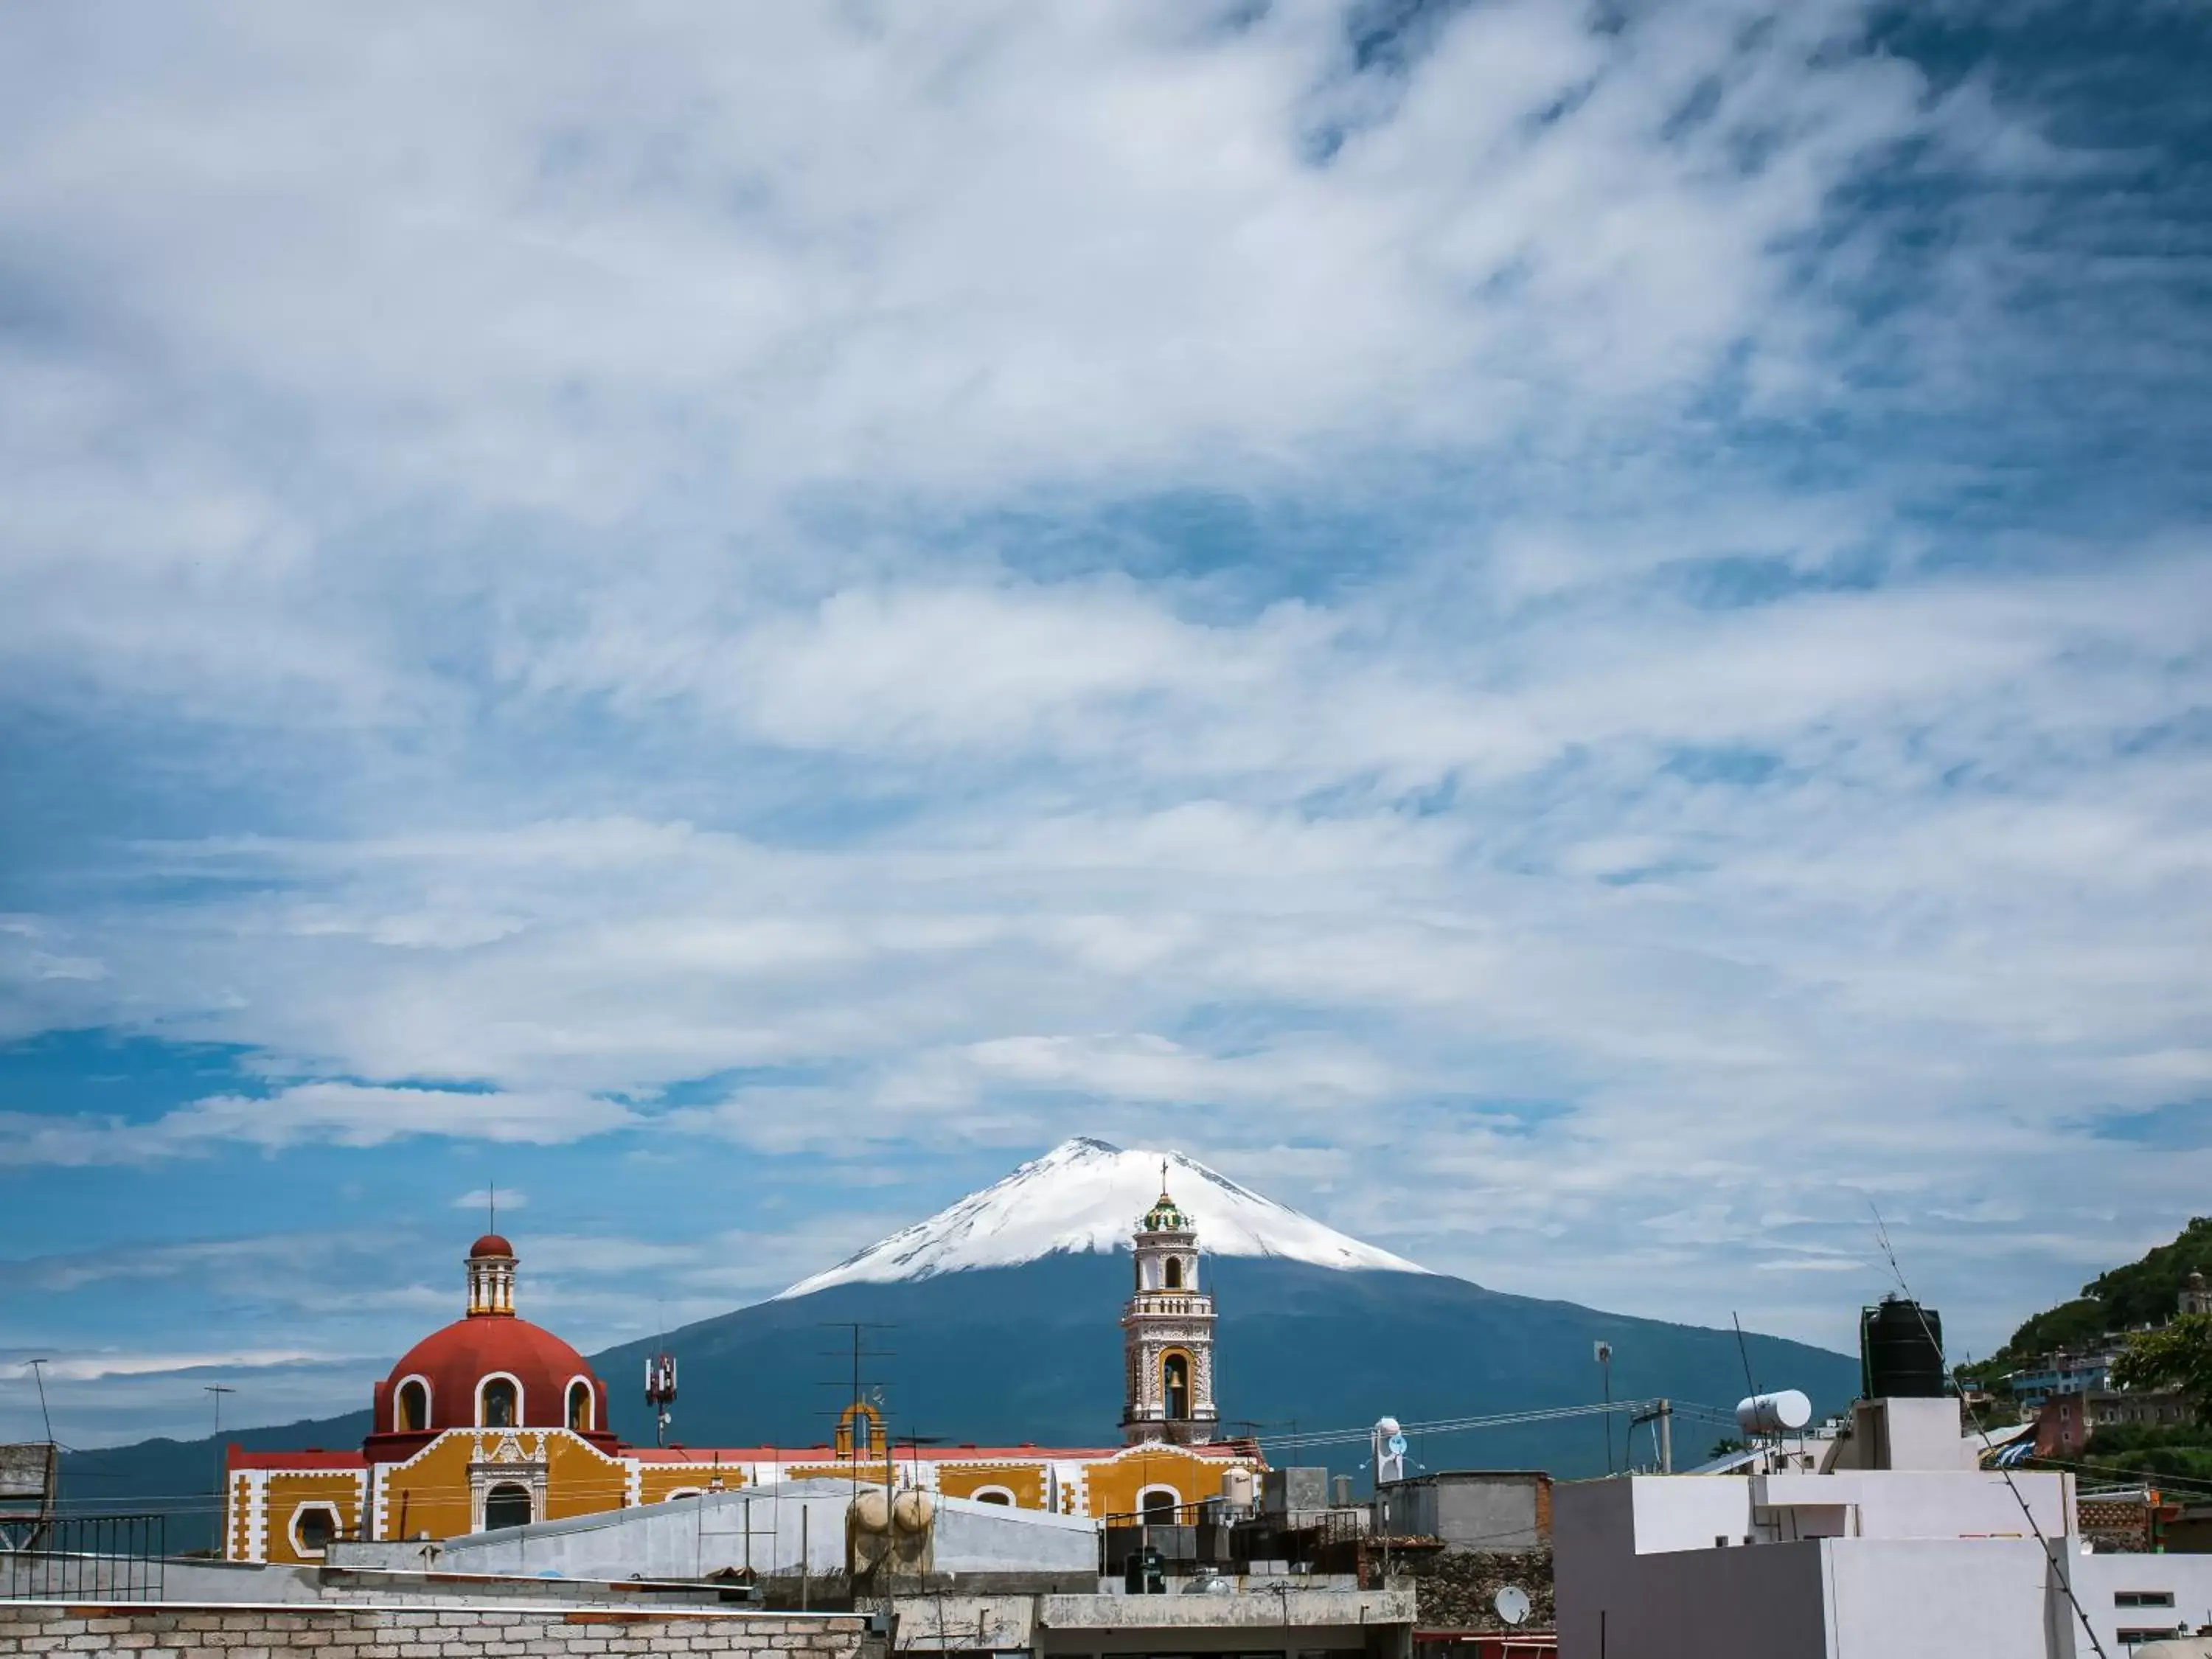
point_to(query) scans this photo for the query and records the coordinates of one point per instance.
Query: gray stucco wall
(1477, 1511)
(1760, 1603)
(770, 1530)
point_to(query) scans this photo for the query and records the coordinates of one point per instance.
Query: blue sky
(1576, 637)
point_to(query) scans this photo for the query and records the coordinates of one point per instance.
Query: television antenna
(218, 1389)
(1603, 1353)
(38, 1367)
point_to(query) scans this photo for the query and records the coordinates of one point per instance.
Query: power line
(1453, 1425)
(2065, 1574)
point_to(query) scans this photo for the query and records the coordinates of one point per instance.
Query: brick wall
(173, 1630)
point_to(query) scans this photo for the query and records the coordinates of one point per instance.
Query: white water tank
(1783, 1412)
(1236, 1486)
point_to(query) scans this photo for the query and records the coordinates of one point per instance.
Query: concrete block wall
(175, 1631)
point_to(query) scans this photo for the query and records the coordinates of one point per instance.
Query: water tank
(1145, 1572)
(1783, 1412)
(871, 1512)
(1236, 1486)
(911, 1510)
(1901, 1352)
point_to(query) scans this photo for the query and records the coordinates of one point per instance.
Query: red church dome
(489, 1370)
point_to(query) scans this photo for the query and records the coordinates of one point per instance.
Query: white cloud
(510, 1198)
(339, 1113)
(93, 1367)
(632, 553)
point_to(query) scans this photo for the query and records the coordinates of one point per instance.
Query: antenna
(1603, 1353)
(218, 1389)
(851, 1416)
(2066, 1577)
(660, 1381)
(1743, 1352)
(38, 1371)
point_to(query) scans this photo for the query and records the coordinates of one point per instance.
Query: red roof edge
(238, 1457)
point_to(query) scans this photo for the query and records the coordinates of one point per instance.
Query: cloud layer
(1575, 638)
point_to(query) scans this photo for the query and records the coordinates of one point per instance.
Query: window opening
(317, 1527)
(507, 1505)
(498, 1404)
(413, 1412)
(579, 1406)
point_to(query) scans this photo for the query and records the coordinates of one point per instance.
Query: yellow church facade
(494, 1422)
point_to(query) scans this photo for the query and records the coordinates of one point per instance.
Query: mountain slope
(1083, 1195)
(1002, 1314)
(1032, 1352)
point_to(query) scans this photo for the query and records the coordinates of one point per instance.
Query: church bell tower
(1167, 1334)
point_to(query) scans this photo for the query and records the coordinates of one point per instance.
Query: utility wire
(1451, 1426)
(2065, 1576)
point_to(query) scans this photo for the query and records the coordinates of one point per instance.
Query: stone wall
(1455, 1587)
(175, 1631)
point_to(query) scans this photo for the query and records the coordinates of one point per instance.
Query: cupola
(491, 1277)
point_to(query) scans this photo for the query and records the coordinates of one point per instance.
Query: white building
(1917, 1554)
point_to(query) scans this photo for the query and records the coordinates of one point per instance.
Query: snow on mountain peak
(1084, 1195)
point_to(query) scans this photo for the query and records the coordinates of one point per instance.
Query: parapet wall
(177, 1630)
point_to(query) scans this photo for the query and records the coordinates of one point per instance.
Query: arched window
(864, 1434)
(500, 1404)
(1159, 1504)
(313, 1525)
(1174, 1273)
(1175, 1379)
(507, 1505)
(579, 1406)
(999, 1495)
(410, 1410)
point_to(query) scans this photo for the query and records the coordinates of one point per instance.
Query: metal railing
(88, 1557)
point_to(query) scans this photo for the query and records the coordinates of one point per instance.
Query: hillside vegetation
(2144, 1293)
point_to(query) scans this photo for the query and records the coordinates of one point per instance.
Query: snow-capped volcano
(1086, 1195)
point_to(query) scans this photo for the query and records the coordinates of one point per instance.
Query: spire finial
(1163, 1174)
(492, 1207)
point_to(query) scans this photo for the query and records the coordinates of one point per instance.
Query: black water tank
(1901, 1352)
(1145, 1572)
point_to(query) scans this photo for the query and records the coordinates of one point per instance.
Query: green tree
(2178, 1356)
(2141, 1293)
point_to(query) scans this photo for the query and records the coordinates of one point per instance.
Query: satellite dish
(1512, 1603)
